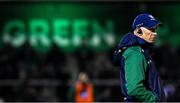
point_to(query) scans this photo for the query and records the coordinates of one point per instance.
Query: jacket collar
(132, 40)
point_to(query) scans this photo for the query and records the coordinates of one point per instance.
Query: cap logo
(152, 18)
(138, 25)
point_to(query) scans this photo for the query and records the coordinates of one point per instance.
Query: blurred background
(44, 45)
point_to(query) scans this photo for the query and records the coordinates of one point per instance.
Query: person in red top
(82, 91)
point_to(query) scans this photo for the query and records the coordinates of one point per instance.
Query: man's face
(83, 77)
(149, 35)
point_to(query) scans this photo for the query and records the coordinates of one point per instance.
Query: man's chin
(151, 41)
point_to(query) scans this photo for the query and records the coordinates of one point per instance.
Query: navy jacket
(151, 82)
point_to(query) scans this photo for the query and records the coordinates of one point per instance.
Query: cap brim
(154, 24)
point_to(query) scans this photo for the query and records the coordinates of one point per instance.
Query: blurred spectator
(29, 94)
(101, 66)
(105, 96)
(70, 68)
(82, 91)
(48, 94)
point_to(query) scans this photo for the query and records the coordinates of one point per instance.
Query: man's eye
(152, 30)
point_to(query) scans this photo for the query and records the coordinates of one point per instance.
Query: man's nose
(154, 33)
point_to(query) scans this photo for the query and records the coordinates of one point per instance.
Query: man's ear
(138, 32)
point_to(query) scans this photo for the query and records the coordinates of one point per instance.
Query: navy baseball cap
(145, 20)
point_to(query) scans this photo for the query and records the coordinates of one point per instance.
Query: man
(140, 80)
(83, 90)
